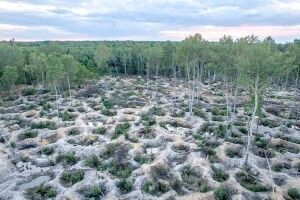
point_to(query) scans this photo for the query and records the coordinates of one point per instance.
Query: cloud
(148, 19)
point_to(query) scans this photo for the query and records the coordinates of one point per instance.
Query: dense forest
(144, 120)
(53, 63)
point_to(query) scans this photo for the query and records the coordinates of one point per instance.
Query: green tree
(101, 57)
(9, 78)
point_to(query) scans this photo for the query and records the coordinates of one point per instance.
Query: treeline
(67, 63)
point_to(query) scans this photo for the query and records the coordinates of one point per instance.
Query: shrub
(243, 130)
(277, 167)
(143, 158)
(155, 188)
(67, 116)
(70, 178)
(47, 151)
(200, 113)
(94, 192)
(222, 193)
(251, 183)
(234, 152)
(43, 124)
(123, 170)
(270, 123)
(193, 180)
(28, 91)
(219, 175)
(157, 111)
(108, 112)
(121, 129)
(68, 158)
(41, 192)
(148, 119)
(294, 193)
(125, 185)
(217, 111)
(107, 103)
(27, 134)
(73, 131)
(94, 162)
(181, 148)
(261, 142)
(100, 130)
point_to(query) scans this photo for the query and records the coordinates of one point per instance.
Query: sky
(32, 20)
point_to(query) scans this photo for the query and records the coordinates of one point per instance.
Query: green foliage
(94, 162)
(67, 116)
(95, 192)
(9, 78)
(219, 175)
(100, 130)
(48, 151)
(234, 152)
(222, 193)
(68, 158)
(121, 129)
(43, 124)
(73, 131)
(249, 182)
(125, 185)
(28, 91)
(143, 158)
(41, 192)
(294, 193)
(69, 178)
(27, 134)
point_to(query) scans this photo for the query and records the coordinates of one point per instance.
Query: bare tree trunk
(234, 102)
(69, 88)
(147, 74)
(156, 79)
(252, 120)
(190, 89)
(271, 176)
(56, 99)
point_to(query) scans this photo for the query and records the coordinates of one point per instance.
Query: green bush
(294, 193)
(73, 131)
(261, 142)
(219, 175)
(148, 119)
(28, 91)
(251, 183)
(107, 104)
(125, 185)
(121, 129)
(70, 178)
(277, 167)
(108, 112)
(155, 188)
(234, 152)
(143, 158)
(67, 116)
(93, 162)
(95, 192)
(27, 134)
(222, 193)
(68, 158)
(100, 130)
(41, 192)
(43, 124)
(47, 151)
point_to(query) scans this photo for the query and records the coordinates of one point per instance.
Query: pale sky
(31, 20)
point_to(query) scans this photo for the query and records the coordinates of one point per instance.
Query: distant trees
(9, 78)
(101, 56)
